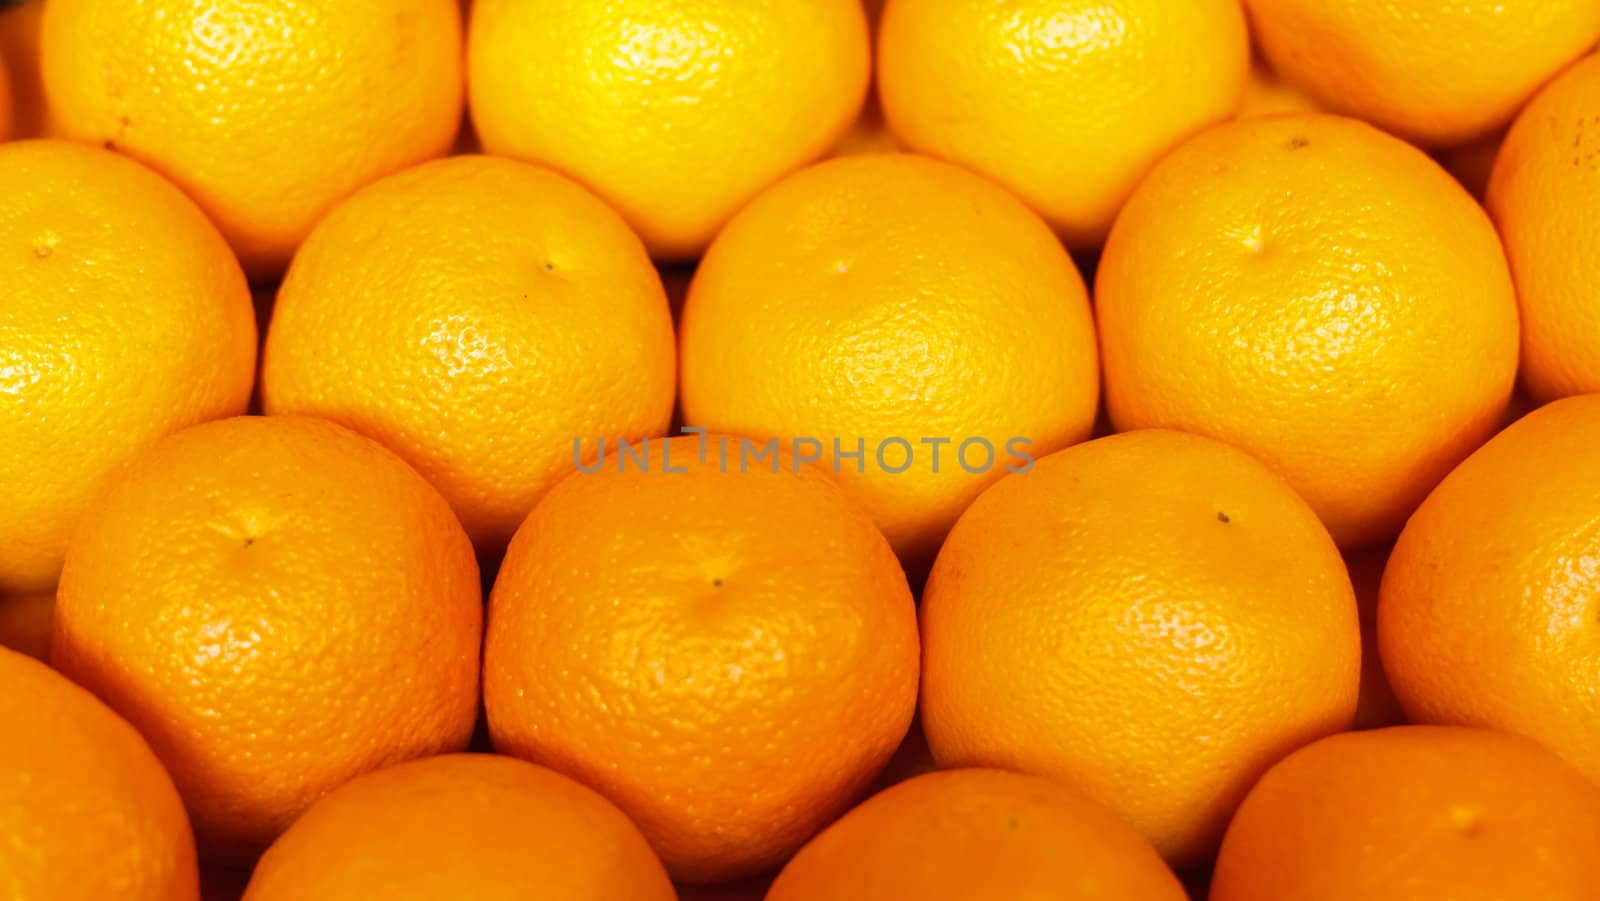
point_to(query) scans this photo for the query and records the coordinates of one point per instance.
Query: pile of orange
(738, 449)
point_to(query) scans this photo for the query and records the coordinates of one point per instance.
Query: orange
(476, 316)
(1415, 812)
(900, 308)
(6, 116)
(19, 63)
(728, 651)
(1154, 617)
(977, 835)
(461, 826)
(125, 318)
(265, 113)
(1437, 74)
(278, 605)
(1321, 295)
(86, 811)
(1488, 603)
(1065, 102)
(674, 111)
(1544, 195)
(1377, 705)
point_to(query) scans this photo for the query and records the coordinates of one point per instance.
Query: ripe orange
(1545, 196)
(461, 826)
(674, 111)
(728, 652)
(1377, 706)
(1321, 295)
(278, 605)
(1065, 102)
(1436, 74)
(124, 318)
(888, 303)
(1488, 603)
(1415, 812)
(1154, 617)
(475, 315)
(265, 113)
(86, 812)
(977, 835)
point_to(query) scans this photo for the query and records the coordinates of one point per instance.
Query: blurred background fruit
(880, 301)
(674, 111)
(461, 826)
(1065, 102)
(730, 656)
(1545, 197)
(278, 605)
(1436, 74)
(6, 116)
(125, 318)
(19, 64)
(476, 316)
(977, 835)
(1321, 295)
(86, 811)
(1153, 617)
(265, 113)
(1489, 601)
(1414, 812)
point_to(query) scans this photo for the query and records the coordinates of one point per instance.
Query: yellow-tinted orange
(1065, 102)
(86, 812)
(1415, 812)
(1544, 194)
(1154, 617)
(977, 835)
(461, 826)
(1437, 74)
(124, 318)
(265, 113)
(475, 315)
(1321, 295)
(674, 111)
(278, 604)
(728, 653)
(889, 303)
(1487, 612)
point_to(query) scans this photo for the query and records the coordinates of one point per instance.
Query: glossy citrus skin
(1065, 102)
(1154, 617)
(475, 315)
(730, 656)
(86, 812)
(125, 318)
(1544, 194)
(278, 605)
(1487, 611)
(1321, 295)
(1436, 74)
(1415, 812)
(977, 835)
(893, 297)
(674, 111)
(266, 113)
(461, 826)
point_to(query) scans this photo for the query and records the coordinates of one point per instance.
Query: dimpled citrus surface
(729, 656)
(125, 318)
(1154, 617)
(278, 604)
